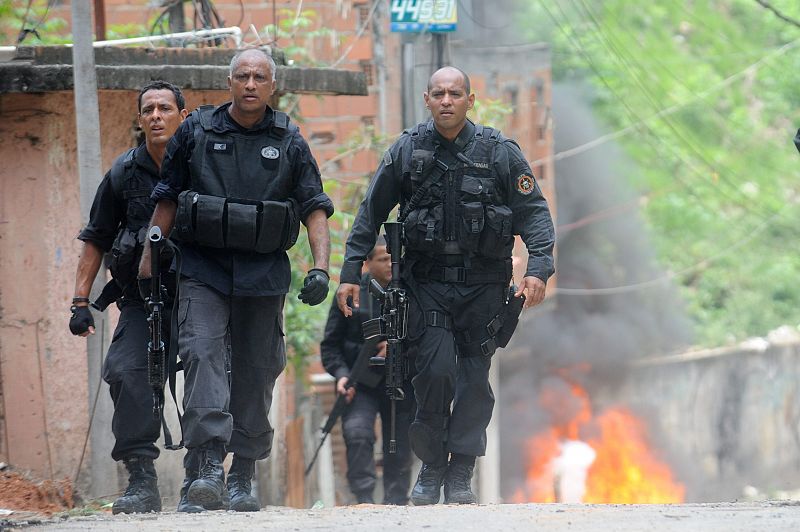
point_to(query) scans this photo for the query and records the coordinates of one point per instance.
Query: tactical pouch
(260, 226)
(510, 313)
(472, 223)
(125, 254)
(423, 229)
(496, 239)
(484, 340)
(279, 225)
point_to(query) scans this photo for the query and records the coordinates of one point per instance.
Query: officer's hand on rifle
(381, 349)
(347, 291)
(315, 287)
(342, 389)
(533, 288)
(81, 322)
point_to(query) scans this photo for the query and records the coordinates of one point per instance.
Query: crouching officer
(118, 223)
(464, 192)
(341, 350)
(237, 180)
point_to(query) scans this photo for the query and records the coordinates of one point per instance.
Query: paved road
(728, 517)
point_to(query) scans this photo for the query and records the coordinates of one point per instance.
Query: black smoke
(602, 242)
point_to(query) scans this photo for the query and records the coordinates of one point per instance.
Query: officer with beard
(464, 191)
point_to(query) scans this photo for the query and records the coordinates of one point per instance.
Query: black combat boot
(240, 477)
(426, 435)
(209, 490)
(142, 493)
(428, 488)
(183, 504)
(458, 480)
(365, 498)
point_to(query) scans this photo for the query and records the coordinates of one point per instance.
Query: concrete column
(87, 116)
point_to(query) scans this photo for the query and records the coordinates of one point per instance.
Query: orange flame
(625, 469)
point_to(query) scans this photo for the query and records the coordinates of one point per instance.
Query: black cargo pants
(125, 370)
(358, 428)
(212, 325)
(442, 377)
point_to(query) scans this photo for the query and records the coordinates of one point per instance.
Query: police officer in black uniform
(341, 349)
(464, 192)
(118, 223)
(237, 180)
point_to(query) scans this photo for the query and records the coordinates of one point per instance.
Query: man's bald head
(450, 69)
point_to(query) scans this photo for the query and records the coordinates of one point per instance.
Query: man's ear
(470, 101)
(184, 114)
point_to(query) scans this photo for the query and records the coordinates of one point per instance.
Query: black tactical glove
(81, 320)
(315, 287)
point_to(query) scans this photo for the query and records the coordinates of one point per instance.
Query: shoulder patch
(525, 184)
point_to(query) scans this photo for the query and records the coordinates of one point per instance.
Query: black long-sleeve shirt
(228, 271)
(343, 339)
(530, 214)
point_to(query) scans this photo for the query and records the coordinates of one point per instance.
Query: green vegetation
(710, 92)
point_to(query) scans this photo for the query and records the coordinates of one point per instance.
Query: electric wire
(576, 150)
(741, 241)
(24, 32)
(632, 66)
(638, 121)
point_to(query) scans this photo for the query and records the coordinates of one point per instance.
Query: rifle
(392, 324)
(156, 354)
(341, 401)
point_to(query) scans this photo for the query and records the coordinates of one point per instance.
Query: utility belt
(243, 225)
(478, 272)
(482, 340)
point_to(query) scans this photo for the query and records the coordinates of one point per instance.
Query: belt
(499, 272)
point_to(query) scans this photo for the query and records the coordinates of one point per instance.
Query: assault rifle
(156, 354)
(341, 401)
(391, 324)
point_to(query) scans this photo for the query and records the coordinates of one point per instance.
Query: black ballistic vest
(240, 194)
(465, 208)
(127, 248)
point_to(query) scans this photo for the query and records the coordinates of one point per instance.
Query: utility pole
(87, 122)
(99, 20)
(440, 45)
(177, 21)
(379, 53)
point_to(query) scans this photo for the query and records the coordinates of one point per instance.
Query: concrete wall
(46, 402)
(724, 418)
(43, 369)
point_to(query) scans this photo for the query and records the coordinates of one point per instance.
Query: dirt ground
(20, 494)
(728, 517)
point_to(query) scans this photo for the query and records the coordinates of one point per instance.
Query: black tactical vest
(136, 188)
(240, 193)
(464, 205)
